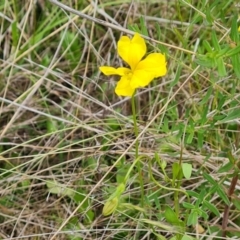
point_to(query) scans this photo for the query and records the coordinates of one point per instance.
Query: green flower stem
(135, 123)
(137, 147)
(178, 185)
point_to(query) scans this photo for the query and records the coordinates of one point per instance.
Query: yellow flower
(239, 28)
(141, 72)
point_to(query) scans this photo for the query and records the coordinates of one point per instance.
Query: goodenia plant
(140, 73)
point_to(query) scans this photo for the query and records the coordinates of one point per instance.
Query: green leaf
(225, 168)
(233, 115)
(186, 237)
(144, 30)
(175, 170)
(177, 76)
(51, 125)
(221, 67)
(192, 193)
(159, 224)
(188, 205)
(233, 51)
(209, 179)
(171, 216)
(202, 214)
(207, 96)
(215, 41)
(234, 34)
(159, 237)
(201, 196)
(231, 158)
(187, 170)
(161, 47)
(200, 138)
(190, 137)
(209, 17)
(60, 189)
(224, 51)
(207, 46)
(236, 63)
(223, 195)
(236, 203)
(135, 28)
(179, 35)
(192, 218)
(211, 207)
(205, 61)
(15, 34)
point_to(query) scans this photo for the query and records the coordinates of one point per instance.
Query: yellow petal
(132, 50)
(124, 88)
(154, 65)
(114, 71)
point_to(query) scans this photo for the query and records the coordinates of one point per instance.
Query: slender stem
(178, 185)
(135, 123)
(137, 148)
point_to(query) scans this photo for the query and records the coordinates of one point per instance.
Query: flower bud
(110, 206)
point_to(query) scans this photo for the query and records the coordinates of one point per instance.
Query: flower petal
(114, 71)
(132, 50)
(154, 65)
(124, 88)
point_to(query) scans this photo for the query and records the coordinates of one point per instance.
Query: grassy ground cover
(77, 162)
